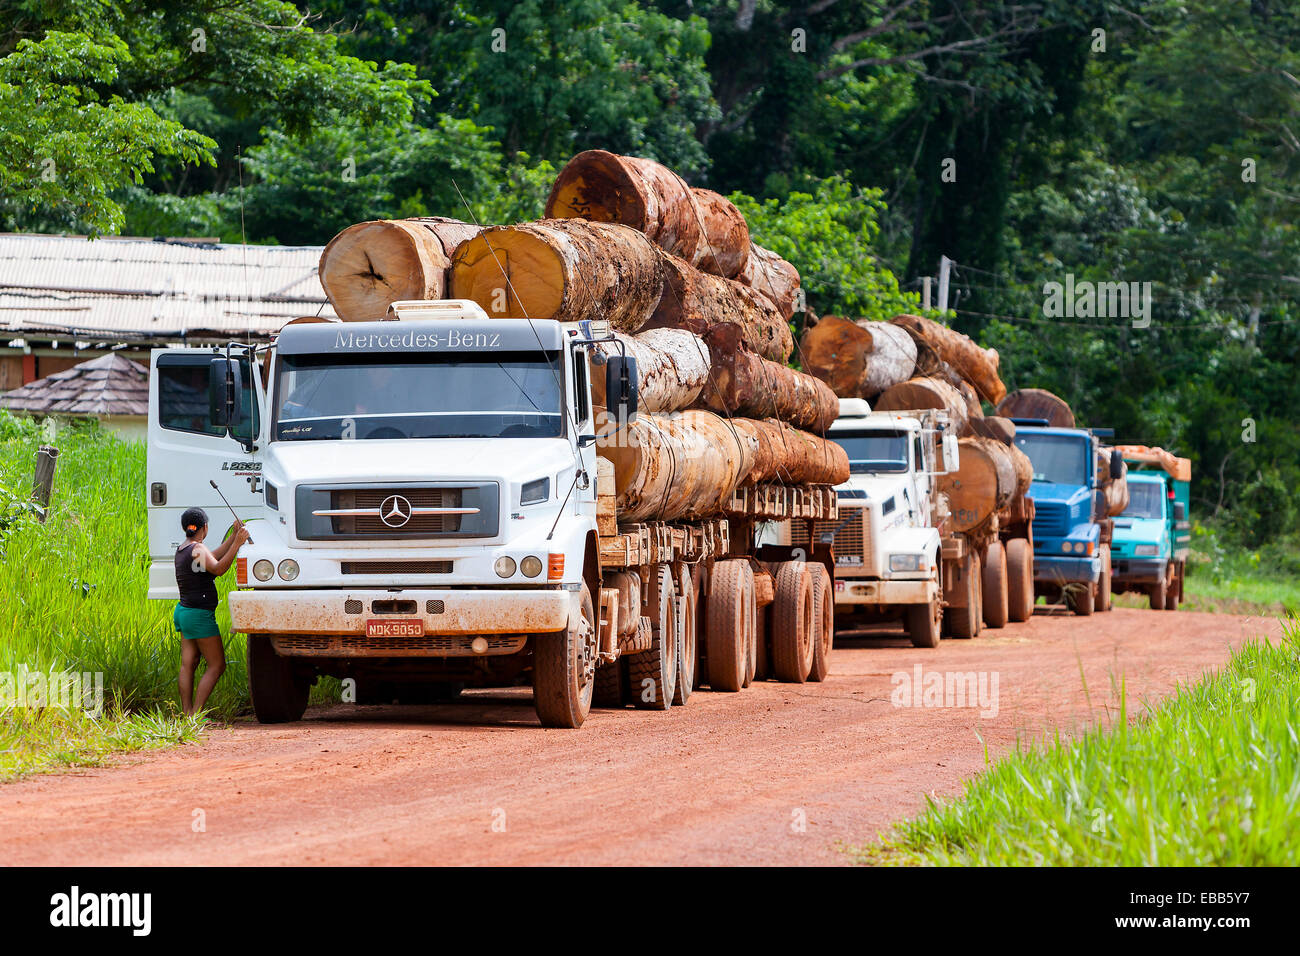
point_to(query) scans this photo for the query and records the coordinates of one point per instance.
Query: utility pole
(945, 266)
(925, 293)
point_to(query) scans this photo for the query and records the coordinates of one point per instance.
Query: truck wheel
(964, 622)
(279, 695)
(611, 685)
(996, 595)
(762, 656)
(823, 622)
(751, 624)
(923, 622)
(1084, 599)
(724, 632)
(1157, 595)
(652, 674)
(687, 596)
(1103, 585)
(793, 626)
(564, 671)
(1020, 580)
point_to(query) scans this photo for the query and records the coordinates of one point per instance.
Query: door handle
(158, 493)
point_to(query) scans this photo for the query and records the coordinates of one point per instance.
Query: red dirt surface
(724, 780)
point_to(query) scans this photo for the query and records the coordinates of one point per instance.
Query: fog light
(531, 566)
(479, 645)
(288, 569)
(263, 570)
(505, 566)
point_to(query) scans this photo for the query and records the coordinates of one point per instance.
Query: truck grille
(1051, 519)
(397, 567)
(359, 645)
(315, 506)
(418, 497)
(854, 546)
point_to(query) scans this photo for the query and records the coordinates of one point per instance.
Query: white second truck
(431, 514)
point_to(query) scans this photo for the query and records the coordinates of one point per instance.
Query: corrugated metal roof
(109, 385)
(141, 288)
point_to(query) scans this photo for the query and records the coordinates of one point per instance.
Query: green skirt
(195, 622)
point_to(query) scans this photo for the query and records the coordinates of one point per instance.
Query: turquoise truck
(1152, 535)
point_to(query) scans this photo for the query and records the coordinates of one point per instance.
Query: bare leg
(189, 661)
(215, 655)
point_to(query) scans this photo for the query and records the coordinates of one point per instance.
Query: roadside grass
(52, 739)
(1208, 776)
(72, 599)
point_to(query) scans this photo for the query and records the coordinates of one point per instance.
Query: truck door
(582, 417)
(186, 450)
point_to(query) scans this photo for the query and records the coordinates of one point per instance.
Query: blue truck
(1071, 530)
(1152, 535)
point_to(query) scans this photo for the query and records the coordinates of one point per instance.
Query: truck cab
(1152, 535)
(420, 488)
(886, 538)
(1070, 543)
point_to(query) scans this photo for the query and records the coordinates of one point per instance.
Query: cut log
(1037, 403)
(837, 351)
(893, 357)
(1114, 490)
(726, 235)
(603, 187)
(974, 410)
(747, 385)
(771, 275)
(679, 467)
(925, 393)
(697, 301)
(769, 449)
(564, 269)
(985, 483)
(672, 366)
(1023, 466)
(977, 365)
(368, 266)
(808, 459)
(995, 427)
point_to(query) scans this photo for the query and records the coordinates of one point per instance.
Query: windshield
(1144, 500)
(467, 395)
(874, 452)
(1058, 459)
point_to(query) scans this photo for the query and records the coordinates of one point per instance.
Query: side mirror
(1180, 511)
(621, 388)
(951, 453)
(1117, 469)
(225, 393)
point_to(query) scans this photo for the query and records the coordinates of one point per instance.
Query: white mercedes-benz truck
(429, 513)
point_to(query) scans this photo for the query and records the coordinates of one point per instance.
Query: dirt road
(729, 779)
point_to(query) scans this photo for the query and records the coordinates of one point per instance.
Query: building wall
(11, 372)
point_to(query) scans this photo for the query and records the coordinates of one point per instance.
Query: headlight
(505, 566)
(905, 562)
(535, 492)
(1079, 547)
(1142, 550)
(1065, 546)
(288, 569)
(531, 566)
(263, 570)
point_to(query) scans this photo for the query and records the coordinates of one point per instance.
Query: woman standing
(197, 570)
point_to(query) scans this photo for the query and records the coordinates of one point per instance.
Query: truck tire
(1157, 594)
(1083, 599)
(996, 597)
(1171, 597)
(762, 655)
(562, 683)
(279, 695)
(1103, 584)
(793, 626)
(724, 632)
(1020, 580)
(824, 623)
(687, 596)
(923, 623)
(751, 625)
(964, 622)
(611, 685)
(652, 674)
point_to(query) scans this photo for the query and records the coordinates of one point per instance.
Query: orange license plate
(405, 627)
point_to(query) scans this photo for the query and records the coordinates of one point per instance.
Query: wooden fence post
(43, 487)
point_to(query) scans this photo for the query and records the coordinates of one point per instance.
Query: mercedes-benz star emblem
(395, 511)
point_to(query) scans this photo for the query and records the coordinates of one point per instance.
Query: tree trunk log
(995, 427)
(978, 366)
(1114, 490)
(680, 467)
(744, 384)
(564, 269)
(603, 187)
(672, 366)
(838, 352)
(368, 266)
(806, 459)
(986, 482)
(771, 275)
(1037, 403)
(925, 393)
(769, 450)
(698, 301)
(726, 235)
(893, 358)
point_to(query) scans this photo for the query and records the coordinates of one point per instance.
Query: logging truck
(1152, 535)
(429, 512)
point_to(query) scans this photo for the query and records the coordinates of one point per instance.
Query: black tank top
(198, 588)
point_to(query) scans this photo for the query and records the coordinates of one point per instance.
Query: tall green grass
(1209, 776)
